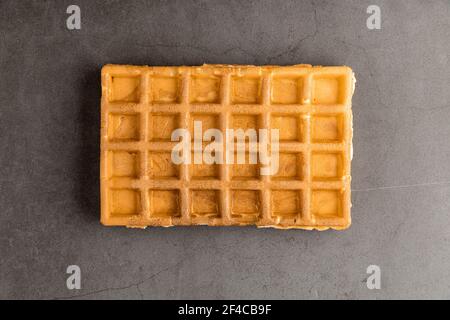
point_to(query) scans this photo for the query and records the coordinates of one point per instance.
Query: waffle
(311, 107)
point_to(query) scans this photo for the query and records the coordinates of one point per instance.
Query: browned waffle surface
(141, 106)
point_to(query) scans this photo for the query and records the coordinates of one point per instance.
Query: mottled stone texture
(49, 162)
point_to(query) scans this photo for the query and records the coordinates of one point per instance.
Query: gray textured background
(49, 158)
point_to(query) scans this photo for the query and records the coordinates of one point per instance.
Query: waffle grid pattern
(142, 105)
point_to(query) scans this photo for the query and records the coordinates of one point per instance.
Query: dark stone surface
(49, 133)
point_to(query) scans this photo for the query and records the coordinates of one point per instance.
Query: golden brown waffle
(141, 106)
